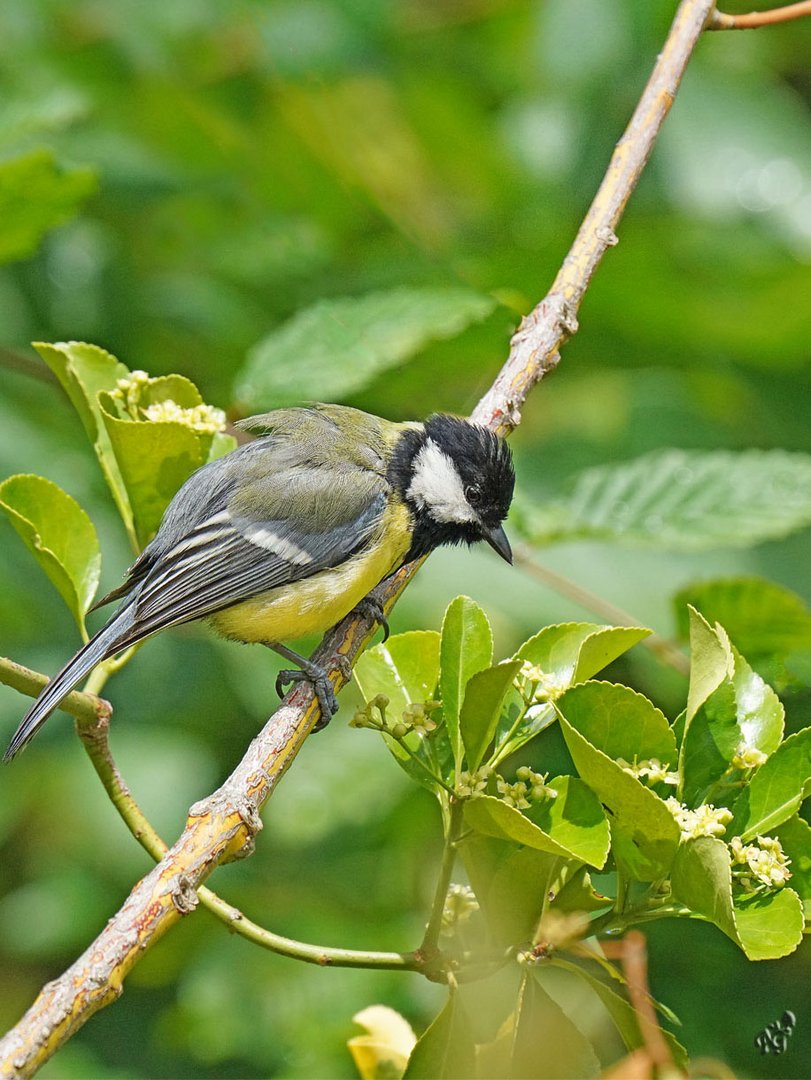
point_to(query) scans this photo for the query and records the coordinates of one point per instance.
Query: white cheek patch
(437, 487)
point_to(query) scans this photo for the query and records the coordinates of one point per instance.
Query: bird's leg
(309, 672)
(371, 607)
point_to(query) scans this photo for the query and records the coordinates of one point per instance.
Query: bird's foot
(371, 607)
(322, 688)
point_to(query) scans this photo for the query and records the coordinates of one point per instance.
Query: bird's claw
(322, 688)
(371, 607)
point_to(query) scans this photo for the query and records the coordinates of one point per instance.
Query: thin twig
(95, 737)
(667, 651)
(430, 941)
(224, 826)
(26, 365)
(635, 969)
(78, 703)
(754, 19)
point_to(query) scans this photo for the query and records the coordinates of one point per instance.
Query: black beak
(497, 539)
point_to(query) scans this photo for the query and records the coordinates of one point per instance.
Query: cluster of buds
(529, 787)
(538, 687)
(759, 864)
(748, 757)
(415, 718)
(705, 820)
(651, 770)
(460, 903)
(204, 419)
(129, 391)
(365, 718)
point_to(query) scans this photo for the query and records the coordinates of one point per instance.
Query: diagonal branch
(224, 826)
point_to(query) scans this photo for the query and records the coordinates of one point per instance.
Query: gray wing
(315, 518)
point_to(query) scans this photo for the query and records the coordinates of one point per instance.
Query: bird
(286, 534)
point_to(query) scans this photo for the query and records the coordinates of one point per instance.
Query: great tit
(285, 535)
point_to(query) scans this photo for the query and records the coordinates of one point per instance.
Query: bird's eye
(473, 494)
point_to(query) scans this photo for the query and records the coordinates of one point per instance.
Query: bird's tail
(101, 646)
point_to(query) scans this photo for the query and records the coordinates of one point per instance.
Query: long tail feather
(103, 645)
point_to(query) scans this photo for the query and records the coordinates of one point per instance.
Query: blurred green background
(220, 167)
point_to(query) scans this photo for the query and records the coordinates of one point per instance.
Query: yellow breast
(318, 602)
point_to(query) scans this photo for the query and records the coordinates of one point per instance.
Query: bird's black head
(458, 480)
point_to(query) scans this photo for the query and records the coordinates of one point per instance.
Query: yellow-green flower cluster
(129, 391)
(537, 686)
(748, 757)
(416, 717)
(513, 794)
(460, 903)
(705, 820)
(529, 786)
(469, 785)
(650, 769)
(206, 419)
(763, 862)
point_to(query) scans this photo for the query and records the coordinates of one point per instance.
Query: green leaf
(481, 708)
(59, 535)
(622, 1013)
(405, 668)
(710, 742)
(733, 710)
(573, 652)
(572, 825)
(744, 713)
(37, 195)
(85, 370)
(546, 1044)
(154, 459)
(769, 926)
(445, 1049)
(765, 927)
(710, 662)
(768, 623)
(795, 838)
(466, 648)
(513, 891)
(604, 646)
(579, 894)
(338, 347)
(683, 500)
(644, 832)
(620, 722)
(776, 790)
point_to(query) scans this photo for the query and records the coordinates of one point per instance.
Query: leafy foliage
(339, 346)
(769, 623)
(683, 500)
(59, 535)
(149, 434)
(684, 817)
(36, 195)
